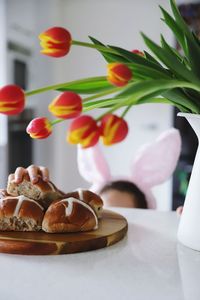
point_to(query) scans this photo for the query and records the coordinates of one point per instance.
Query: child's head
(123, 193)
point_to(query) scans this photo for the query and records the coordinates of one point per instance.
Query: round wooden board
(112, 228)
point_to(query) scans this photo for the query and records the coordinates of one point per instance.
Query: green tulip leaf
(147, 72)
(135, 58)
(171, 61)
(87, 86)
(139, 90)
(171, 23)
(109, 57)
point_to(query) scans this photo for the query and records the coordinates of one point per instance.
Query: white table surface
(147, 264)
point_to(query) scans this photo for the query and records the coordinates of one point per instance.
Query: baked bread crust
(20, 214)
(69, 215)
(3, 193)
(21, 210)
(42, 191)
(88, 197)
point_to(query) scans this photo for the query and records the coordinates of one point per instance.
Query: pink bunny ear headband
(153, 164)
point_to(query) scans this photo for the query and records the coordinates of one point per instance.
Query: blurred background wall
(116, 22)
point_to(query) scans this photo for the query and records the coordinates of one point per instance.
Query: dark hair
(127, 187)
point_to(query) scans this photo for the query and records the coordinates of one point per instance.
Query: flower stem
(114, 108)
(111, 91)
(98, 47)
(60, 85)
(45, 89)
(56, 121)
(126, 110)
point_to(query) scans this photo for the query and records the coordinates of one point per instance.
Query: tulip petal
(83, 130)
(118, 74)
(66, 105)
(114, 129)
(39, 128)
(75, 136)
(55, 42)
(12, 100)
(91, 140)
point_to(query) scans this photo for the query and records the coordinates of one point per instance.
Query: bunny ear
(155, 162)
(93, 167)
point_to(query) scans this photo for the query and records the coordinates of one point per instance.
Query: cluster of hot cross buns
(42, 206)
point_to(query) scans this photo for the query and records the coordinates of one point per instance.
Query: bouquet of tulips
(133, 77)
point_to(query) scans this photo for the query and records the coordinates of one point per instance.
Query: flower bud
(136, 51)
(39, 128)
(83, 130)
(12, 100)
(67, 105)
(118, 74)
(113, 129)
(55, 41)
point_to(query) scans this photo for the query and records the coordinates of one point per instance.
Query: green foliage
(165, 76)
(87, 86)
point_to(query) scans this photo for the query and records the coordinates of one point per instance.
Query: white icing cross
(80, 193)
(69, 208)
(19, 203)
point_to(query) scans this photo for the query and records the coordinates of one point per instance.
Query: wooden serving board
(112, 228)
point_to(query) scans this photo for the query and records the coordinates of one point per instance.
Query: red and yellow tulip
(83, 130)
(39, 128)
(67, 105)
(12, 100)
(55, 41)
(113, 129)
(118, 74)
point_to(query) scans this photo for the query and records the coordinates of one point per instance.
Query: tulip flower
(83, 130)
(12, 100)
(118, 74)
(113, 129)
(55, 41)
(39, 128)
(67, 105)
(138, 52)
